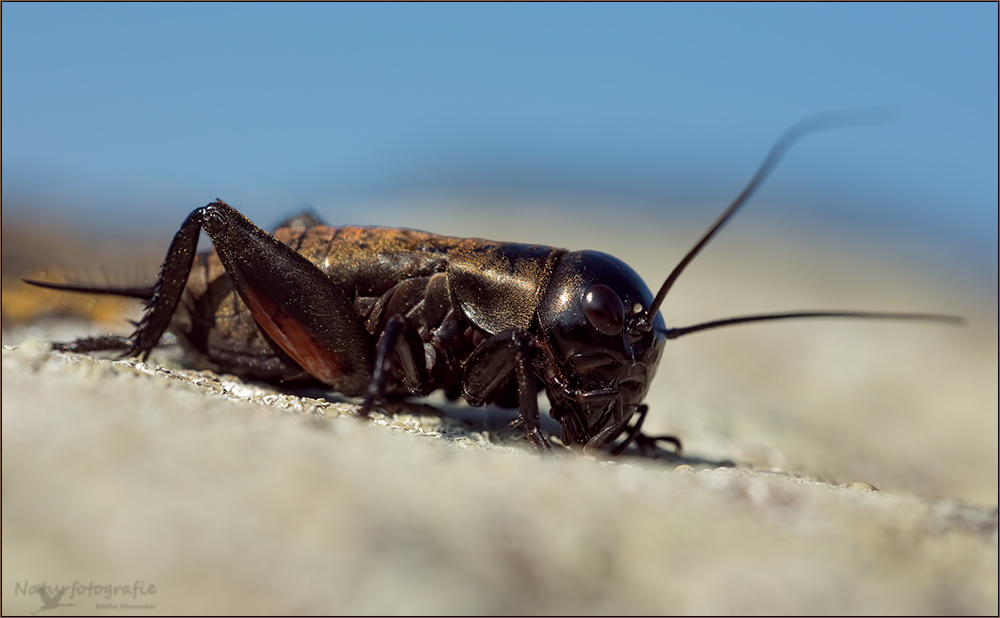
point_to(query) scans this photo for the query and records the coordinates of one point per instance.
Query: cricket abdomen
(215, 324)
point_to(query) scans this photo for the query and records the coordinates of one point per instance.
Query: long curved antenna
(674, 333)
(811, 124)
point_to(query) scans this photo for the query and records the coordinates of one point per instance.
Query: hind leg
(302, 310)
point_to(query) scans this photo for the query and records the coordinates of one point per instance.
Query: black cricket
(380, 313)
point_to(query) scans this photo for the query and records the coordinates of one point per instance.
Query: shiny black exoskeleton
(603, 355)
(377, 313)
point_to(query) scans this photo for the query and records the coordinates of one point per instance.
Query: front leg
(492, 363)
(401, 342)
(301, 309)
(644, 442)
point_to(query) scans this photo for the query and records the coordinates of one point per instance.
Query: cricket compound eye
(604, 309)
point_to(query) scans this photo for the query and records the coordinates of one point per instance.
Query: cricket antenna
(812, 124)
(674, 333)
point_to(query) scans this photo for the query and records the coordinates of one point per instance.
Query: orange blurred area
(24, 303)
(44, 250)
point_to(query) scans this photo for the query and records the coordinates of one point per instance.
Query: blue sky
(139, 113)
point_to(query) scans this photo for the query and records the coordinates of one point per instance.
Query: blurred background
(118, 120)
(625, 128)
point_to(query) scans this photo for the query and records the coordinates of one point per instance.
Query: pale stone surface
(235, 498)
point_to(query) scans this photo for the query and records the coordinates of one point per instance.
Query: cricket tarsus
(645, 443)
(107, 343)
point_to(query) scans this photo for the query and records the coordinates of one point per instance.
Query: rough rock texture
(236, 498)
